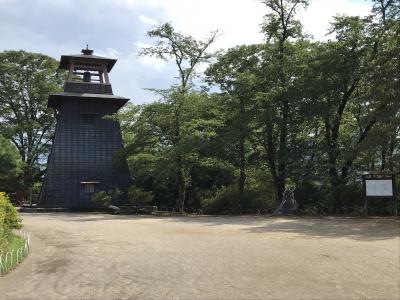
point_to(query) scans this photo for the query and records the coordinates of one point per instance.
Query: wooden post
(106, 74)
(71, 71)
(365, 195)
(394, 195)
(101, 77)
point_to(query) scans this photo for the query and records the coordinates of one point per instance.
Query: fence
(345, 210)
(187, 210)
(14, 257)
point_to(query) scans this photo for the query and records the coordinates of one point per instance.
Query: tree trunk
(181, 185)
(270, 150)
(180, 177)
(349, 162)
(383, 157)
(283, 150)
(332, 170)
(392, 146)
(242, 157)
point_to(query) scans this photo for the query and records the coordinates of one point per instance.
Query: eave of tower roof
(55, 98)
(90, 59)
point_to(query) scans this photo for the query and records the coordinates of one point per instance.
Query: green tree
(187, 53)
(339, 67)
(10, 166)
(355, 90)
(26, 80)
(149, 135)
(384, 79)
(236, 73)
(386, 11)
(309, 113)
(281, 29)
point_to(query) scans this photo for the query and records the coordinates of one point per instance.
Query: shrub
(116, 195)
(36, 187)
(9, 220)
(10, 217)
(347, 195)
(101, 198)
(224, 200)
(311, 195)
(325, 196)
(138, 196)
(258, 194)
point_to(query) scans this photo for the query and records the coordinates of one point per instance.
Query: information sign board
(379, 187)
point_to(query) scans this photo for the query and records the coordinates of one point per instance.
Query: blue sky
(117, 28)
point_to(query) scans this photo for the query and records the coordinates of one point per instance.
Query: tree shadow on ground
(358, 229)
(371, 228)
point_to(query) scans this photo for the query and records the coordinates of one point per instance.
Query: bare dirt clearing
(94, 256)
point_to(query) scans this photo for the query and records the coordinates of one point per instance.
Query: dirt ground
(95, 256)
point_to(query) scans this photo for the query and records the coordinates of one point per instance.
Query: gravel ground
(95, 256)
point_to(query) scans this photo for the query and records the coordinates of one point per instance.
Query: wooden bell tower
(86, 151)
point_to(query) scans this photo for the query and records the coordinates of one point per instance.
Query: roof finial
(87, 51)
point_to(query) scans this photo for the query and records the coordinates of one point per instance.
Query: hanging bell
(87, 76)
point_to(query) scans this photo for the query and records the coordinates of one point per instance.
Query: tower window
(89, 186)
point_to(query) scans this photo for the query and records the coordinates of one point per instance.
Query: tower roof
(86, 58)
(55, 99)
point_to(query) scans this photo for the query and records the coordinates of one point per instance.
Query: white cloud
(318, 16)
(140, 44)
(125, 2)
(156, 63)
(113, 53)
(240, 20)
(147, 20)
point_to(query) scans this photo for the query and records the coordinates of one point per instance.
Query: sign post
(379, 185)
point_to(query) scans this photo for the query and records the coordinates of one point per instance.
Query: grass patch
(14, 254)
(15, 242)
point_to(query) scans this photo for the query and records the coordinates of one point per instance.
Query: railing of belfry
(12, 258)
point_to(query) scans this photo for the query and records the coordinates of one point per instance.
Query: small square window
(88, 187)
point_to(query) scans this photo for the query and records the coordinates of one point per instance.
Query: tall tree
(148, 133)
(281, 28)
(26, 80)
(236, 73)
(384, 79)
(187, 53)
(340, 66)
(356, 87)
